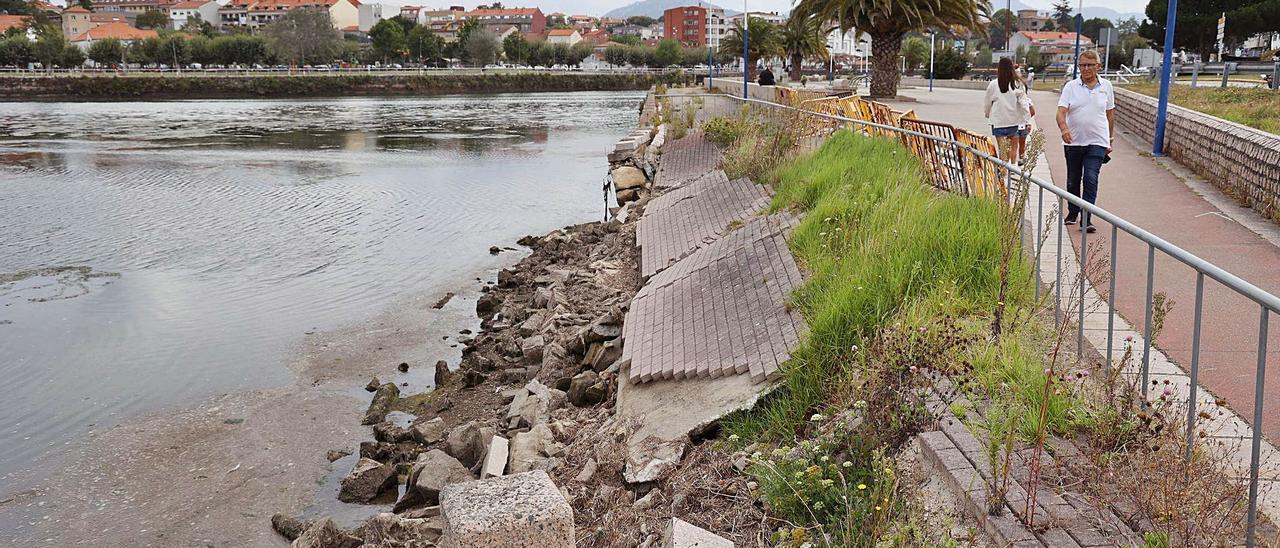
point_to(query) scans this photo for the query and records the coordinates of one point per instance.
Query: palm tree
(763, 41)
(887, 21)
(804, 38)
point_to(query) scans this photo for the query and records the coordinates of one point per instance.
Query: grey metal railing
(952, 148)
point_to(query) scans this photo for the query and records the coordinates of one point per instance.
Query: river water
(160, 252)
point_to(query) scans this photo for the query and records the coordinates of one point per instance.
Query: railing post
(1146, 336)
(1258, 399)
(1111, 297)
(1084, 284)
(1195, 367)
(1195, 73)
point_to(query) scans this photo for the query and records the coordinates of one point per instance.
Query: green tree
(984, 57)
(616, 55)
(144, 52)
(239, 49)
(153, 19)
(389, 41)
(1035, 60)
(668, 53)
(516, 48)
(1197, 28)
(1049, 25)
(86, 4)
(804, 38)
(15, 51)
(542, 54)
(1003, 24)
(949, 64)
(352, 51)
(196, 25)
(481, 47)
(71, 57)
(916, 51)
(764, 41)
(304, 36)
(424, 45)
(173, 49)
(107, 52)
(49, 46)
(579, 53)
(641, 20)
(628, 39)
(1093, 28)
(1128, 26)
(406, 25)
(1062, 10)
(889, 21)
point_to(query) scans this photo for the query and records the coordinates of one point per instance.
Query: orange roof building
(120, 31)
(13, 22)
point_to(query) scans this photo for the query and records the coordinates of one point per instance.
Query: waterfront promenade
(1192, 215)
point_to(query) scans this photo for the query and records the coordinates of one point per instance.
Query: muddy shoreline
(214, 471)
(133, 88)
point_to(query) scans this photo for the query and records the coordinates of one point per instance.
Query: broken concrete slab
(495, 462)
(367, 479)
(652, 459)
(325, 534)
(682, 534)
(432, 472)
(518, 511)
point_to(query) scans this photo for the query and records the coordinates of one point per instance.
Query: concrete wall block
(516, 511)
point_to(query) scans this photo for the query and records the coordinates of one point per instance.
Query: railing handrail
(1239, 285)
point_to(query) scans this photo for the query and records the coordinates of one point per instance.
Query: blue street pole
(746, 56)
(1079, 29)
(1157, 144)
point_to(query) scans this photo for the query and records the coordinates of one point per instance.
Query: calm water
(152, 253)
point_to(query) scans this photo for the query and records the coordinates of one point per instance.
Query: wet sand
(212, 474)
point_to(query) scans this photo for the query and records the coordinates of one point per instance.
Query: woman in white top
(1009, 109)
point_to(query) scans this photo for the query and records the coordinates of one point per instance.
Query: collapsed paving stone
(325, 534)
(522, 510)
(682, 534)
(627, 177)
(431, 473)
(387, 530)
(602, 354)
(367, 479)
(581, 393)
(381, 404)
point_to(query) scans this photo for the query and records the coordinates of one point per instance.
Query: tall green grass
(876, 241)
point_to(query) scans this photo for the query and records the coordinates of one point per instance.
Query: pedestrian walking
(1086, 117)
(1009, 109)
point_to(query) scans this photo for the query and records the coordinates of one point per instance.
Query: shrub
(723, 131)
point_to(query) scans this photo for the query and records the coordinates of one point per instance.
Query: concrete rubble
(520, 510)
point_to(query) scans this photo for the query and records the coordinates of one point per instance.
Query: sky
(596, 7)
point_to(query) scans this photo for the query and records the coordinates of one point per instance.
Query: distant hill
(1089, 11)
(654, 8)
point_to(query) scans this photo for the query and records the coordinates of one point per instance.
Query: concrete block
(495, 462)
(682, 534)
(514, 511)
(625, 145)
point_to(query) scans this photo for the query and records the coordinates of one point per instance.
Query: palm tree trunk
(796, 72)
(884, 63)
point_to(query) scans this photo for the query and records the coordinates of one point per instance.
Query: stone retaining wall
(1242, 161)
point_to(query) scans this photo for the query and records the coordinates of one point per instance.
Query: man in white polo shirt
(1086, 117)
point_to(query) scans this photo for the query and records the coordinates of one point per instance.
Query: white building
(770, 17)
(563, 36)
(204, 10)
(853, 43)
(717, 27)
(369, 15)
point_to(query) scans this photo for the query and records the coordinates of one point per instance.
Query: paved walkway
(1137, 188)
(719, 276)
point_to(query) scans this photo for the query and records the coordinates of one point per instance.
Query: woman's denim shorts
(1011, 131)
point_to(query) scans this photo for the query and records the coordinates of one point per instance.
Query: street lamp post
(1162, 110)
(932, 36)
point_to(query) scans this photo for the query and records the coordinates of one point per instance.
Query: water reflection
(225, 230)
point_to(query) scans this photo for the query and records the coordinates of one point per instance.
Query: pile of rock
(633, 163)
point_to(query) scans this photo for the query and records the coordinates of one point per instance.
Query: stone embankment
(505, 451)
(128, 88)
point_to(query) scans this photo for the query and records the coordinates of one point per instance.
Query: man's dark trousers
(1083, 165)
